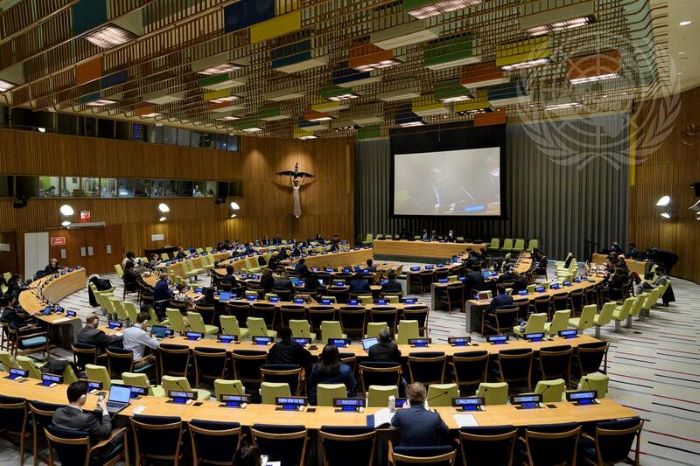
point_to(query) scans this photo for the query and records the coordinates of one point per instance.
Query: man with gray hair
(418, 426)
(385, 349)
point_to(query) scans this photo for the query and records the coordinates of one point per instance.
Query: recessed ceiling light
(110, 35)
(687, 22)
(5, 85)
(681, 53)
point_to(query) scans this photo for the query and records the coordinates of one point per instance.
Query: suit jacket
(501, 300)
(70, 418)
(96, 337)
(289, 353)
(359, 286)
(384, 352)
(474, 280)
(419, 427)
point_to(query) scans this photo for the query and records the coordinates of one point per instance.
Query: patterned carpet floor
(654, 368)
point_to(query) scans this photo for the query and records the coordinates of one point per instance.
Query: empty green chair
(120, 270)
(172, 383)
(493, 393)
(196, 323)
(636, 309)
(228, 387)
(331, 329)
(378, 395)
(368, 240)
(441, 394)
(595, 381)
(533, 244)
(535, 324)
(69, 375)
(365, 300)
(155, 320)
(327, 392)
(373, 329)
(507, 244)
(271, 390)
(229, 326)
(177, 323)
(407, 329)
(519, 245)
(119, 310)
(257, 328)
(586, 320)
(28, 364)
(604, 317)
(100, 374)
(141, 380)
(301, 329)
(7, 361)
(551, 390)
(131, 311)
(495, 243)
(621, 313)
(559, 322)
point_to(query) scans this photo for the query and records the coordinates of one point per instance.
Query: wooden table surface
(53, 290)
(267, 414)
(641, 267)
(427, 249)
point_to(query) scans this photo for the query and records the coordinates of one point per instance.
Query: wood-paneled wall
(669, 171)
(266, 203)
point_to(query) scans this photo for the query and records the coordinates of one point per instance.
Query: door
(8, 252)
(96, 249)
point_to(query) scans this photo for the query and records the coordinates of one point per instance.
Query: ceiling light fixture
(110, 35)
(66, 223)
(526, 64)
(561, 26)
(66, 210)
(5, 85)
(563, 105)
(101, 103)
(412, 32)
(687, 22)
(422, 9)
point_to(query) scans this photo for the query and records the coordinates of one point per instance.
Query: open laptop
(119, 396)
(367, 343)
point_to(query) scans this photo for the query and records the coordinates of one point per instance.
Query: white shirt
(136, 340)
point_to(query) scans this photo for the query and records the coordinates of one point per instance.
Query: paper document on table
(139, 409)
(465, 420)
(381, 417)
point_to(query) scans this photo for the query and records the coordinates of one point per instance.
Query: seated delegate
(418, 426)
(330, 370)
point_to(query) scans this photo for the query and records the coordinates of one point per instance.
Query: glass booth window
(108, 187)
(210, 188)
(90, 187)
(71, 187)
(49, 186)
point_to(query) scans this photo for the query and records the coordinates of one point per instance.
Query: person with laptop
(72, 417)
(419, 427)
(301, 268)
(136, 339)
(385, 349)
(92, 335)
(392, 285)
(286, 351)
(501, 299)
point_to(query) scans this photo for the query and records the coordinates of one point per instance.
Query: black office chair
(240, 310)
(209, 364)
(41, 415)
(379, 373)
(560, 302)
(470, 369)
(174, 360)
(246, 368)
(417, 312)
(207, 313)
(550, 445)
(500, 321)
(515, 367)
(84, 354)
(121, 360)
(452, 296)
(577, 300)
(426, 280)
(555, 363)
(488, 446)
(317, 314)
(591, 356)
(157, 438)
(283, 373)
(427, 367)
(352, 320)
(443, 455)
(13, 421)
(214, 442)
(75, 448)
(347, 446)
(612, 442)
(292, 312)
(284, 294)
(385, 314)
(281, 443)
(265, 310)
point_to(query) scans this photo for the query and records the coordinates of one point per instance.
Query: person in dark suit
(91, 335)
(130, 277)
(474, 279)
(277, 239)
(418, 426)
(53, 266)
(386, 349)
(502, 298)
(283, 283)
(392, 285)
(265, 241)
(301, 268)
(230, 277)
(425, 236)
(161, 295)
(632, 251)
(267, 281)
(359, 284)
(451, 238)
(329, 369)
(285, 351)
(73, 418)
(370, 266)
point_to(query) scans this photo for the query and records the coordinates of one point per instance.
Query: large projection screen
(457, 182)
(449, 172)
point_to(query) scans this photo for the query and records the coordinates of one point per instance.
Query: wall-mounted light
(234, 209)
(666, 215)
(663, 201)
(162, 218)
(163, 207)
(66, 211)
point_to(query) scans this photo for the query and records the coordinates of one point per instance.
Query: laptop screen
(367, 343)
(119, 393)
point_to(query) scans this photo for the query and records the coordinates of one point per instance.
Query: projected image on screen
(458, 182)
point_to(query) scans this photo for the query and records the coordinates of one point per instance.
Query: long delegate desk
(563, 412)
(476, 307)
(640, 267)
(425, 249)
(339, 259)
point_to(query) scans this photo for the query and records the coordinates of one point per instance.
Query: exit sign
(58, 241)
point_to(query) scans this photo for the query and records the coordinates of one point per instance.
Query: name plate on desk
(356, 405)
(181, 396)
(194, 336)
(567, 283)
(468, 403)
(497, 339)
(274, 299)
(582, 398)
(353, 302)
(522, 292)
(568, 333)
(409, 300)
(534, 337)
(458, 341)
(50, 380)
(198, 289)
(326, 302)
(339, 342)
(225, 296)
(419, 342)
(17, 374)
(290, 403)
(528, 401)
(233, 401)
(298, 300)
(46, 311)
(539, 289)
(380, 302)
(114, 325)
(94, 386)
(71, 314)
(442, 280)
(160, 331)
(228, 338)
(415, 269)
(555, 286)
(301, 341)
(251, 297)
(262, 340)
(138, 391)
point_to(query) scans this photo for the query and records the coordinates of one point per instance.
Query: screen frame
(450, 139)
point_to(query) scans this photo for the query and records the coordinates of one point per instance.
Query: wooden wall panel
(670, 170)
(266, 202)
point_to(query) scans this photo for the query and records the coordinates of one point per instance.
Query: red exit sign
(58, 241)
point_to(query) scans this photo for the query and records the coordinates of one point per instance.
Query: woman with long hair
(331, 370)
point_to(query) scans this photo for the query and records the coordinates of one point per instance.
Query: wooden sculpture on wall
(296, 181)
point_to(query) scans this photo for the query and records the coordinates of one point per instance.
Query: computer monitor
(119, 393)
(367, 343)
